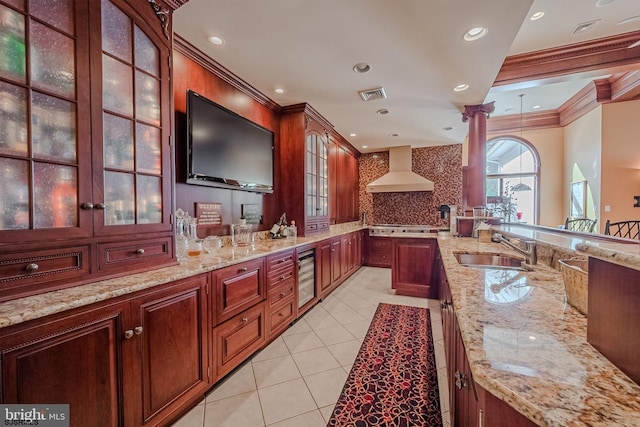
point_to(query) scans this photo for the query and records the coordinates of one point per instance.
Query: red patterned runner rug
(394, 380)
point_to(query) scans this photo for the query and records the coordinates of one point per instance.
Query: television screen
(225, 149)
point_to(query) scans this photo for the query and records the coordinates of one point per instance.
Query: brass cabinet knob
(137, 330)
(242, 270)
(101, 206)
(140, 251)
(245, 320)
(87, 205)
(128, 334)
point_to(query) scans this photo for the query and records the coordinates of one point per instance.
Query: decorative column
(473, 182)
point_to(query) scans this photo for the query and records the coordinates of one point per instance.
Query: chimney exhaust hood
(400, 177)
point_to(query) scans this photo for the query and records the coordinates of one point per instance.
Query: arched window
(512, 179)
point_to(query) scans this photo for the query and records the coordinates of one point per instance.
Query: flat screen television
(226, 150)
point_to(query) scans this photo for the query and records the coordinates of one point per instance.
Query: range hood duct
(400, 177)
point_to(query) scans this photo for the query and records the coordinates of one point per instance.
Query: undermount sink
(489, 260)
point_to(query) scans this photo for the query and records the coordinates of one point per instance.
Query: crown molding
(594, 57)
(513, 123)
(190, 51)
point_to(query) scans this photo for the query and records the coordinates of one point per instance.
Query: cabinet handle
(242, 270)
(87, 205)
(283, 294)
(245, 320)
(282, 260)
(283, 277)
(32, 268)
(128, 334)
(100, 206)
(137, 330)
(281, 314)
(140, 251)
(461, 380)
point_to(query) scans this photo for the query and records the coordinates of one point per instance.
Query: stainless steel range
(398, 229)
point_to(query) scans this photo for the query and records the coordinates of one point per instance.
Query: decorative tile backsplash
(441, 164)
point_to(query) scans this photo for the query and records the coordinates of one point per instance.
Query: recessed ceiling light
(475, 33)
(361, 67)
(393, 134)
(353, 134)
(537, 16)
(279, 90)
(628, 20)
(382, 111)
(535, 107)
(216, 40)
(447, 128)
(461, 87)
(365, 146)
(603, 3)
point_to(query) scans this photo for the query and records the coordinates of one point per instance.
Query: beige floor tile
(239, 382)
(347, 368)
(326, 412)
(358, 329)
(275, 371)
(193, 418)
(299, 327)
(286, 400)
(322, 321)
(302, 342)
(310, 419)
(441, 358)
(334, 335)
(345, 352)
(350, 316)
(325, 387)
(237, 411)
(314, 361)
(277, 348)
(335, 305)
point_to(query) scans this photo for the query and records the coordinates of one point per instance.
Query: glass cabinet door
(131, 133)
(317, 176)
(40, 161)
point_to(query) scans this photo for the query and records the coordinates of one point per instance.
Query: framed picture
(578, 199)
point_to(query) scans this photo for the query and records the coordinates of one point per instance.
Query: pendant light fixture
(521, 186)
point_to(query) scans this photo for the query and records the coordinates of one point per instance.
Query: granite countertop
(529, 348)
(21, 310)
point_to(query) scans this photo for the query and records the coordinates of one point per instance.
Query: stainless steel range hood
(400, 177)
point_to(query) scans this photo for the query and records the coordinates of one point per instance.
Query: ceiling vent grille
(372, 94)
(584, 27)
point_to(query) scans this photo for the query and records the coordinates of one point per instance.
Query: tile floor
(297, 379)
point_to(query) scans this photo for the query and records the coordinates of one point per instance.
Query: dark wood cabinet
(412, 267)
(151, 348)
(377, 251)
(281, 292)
(304, 175)
(344, 181)
(85, 155)
(324, 267)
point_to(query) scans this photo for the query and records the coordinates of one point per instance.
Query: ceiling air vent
(371, 94)
(584, 27)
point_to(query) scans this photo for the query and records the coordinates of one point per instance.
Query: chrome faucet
(530, 252)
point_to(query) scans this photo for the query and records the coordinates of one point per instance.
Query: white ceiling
(415, 49)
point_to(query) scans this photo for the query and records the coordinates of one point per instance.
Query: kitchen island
(526, 346)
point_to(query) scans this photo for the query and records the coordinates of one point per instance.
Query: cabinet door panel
(75, 363)
(174, 342)
(324, 265)
(237, 288)
(412, 268)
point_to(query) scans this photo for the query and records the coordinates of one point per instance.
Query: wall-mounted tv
(226, 150)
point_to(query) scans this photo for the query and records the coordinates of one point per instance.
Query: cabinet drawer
(237, 338)
(281, 292)
(279, 277)
(280, 261)
(238, 287)
(134, 254)
(281, 315)
(34, 267)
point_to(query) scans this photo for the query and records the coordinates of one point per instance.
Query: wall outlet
(607, 208)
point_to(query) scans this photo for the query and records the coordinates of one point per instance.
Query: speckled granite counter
(529, 348)
(29, 308)
(621, 251)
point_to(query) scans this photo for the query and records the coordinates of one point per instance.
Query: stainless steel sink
(490, 260)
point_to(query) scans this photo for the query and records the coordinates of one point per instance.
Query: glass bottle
(194, 247)
(181, 236)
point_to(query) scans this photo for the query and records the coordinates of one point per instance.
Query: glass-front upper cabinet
(316, 176)
(131, 108)
(40, 162)
(84, 99)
